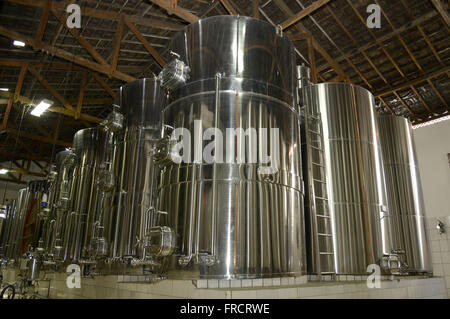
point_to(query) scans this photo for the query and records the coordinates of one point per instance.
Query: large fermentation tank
(141, 103)
(354, 173)
(404, 190)
(61, 202)
(7, 226)
(235, 218)
(92, 222)
(15, 225)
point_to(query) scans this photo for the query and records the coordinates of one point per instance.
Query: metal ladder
(323, 251)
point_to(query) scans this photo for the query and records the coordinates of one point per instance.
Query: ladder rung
(321, 198)
(325, 253)
(316, 148)
(317, 164)
(325, 235)
(323, 216)
(319, 181)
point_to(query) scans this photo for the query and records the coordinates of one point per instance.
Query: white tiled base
(273, 288)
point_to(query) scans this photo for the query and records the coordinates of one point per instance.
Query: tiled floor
(110, 287)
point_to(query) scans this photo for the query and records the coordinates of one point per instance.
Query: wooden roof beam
(103, 14)
(65, 55)
(146, 44)
(229, 7)
(44, 20)
(19, 84)
(81, 40)
(442, 11)
(304, 13)
(386, 37)
(407, 84)
(178, 11)
(39, 138)
(55, 109)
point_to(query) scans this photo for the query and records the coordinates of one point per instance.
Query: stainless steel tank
(61, 203)
(354, 173)
(141, 103)
(6, 227)
(404, 192)
(92, 222)
(15, 227)
(235, 218)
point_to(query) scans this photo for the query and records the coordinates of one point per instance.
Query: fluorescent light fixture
(18, 43)
(4, 89)
(3, 171)
(41, 107)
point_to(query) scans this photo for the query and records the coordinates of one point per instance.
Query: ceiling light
(3, 171)
(18, 43)
(4, 89)
(41, 107)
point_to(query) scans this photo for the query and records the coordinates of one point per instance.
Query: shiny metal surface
(230, 220)
(141, 103)
(404, 191)
(61, 203)
(15, 226)
(354, 169)
(95, 152)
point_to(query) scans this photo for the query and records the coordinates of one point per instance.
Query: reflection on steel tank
(234, 219)
(404, 190)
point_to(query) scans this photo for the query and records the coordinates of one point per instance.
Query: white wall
(432, 146)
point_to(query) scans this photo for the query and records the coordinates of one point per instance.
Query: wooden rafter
(288, 12)
(379, 44)
(435, 90)
(425, 104)
(43, 23)
(178, 11)
(312, 60)
(60, 110)
(103, 85)
(67, 56)
(304, 13)
(19, 84)
(146, 44)
(229, 7)
(103, 14)
(380, 40)
(81, 40)
(339, 22)
(442, 11)
(407, 84)
(84, 82)
(39, 138)
(255, 9)
(404, 104)
(117, 42)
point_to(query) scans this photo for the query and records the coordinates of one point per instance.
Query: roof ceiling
(405, 63)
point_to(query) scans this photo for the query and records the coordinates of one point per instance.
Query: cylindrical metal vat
(15, 226)
(239, 216)
(404, 193)
(354, 173)
(88, 238)
(61, 205)
(141, 103)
